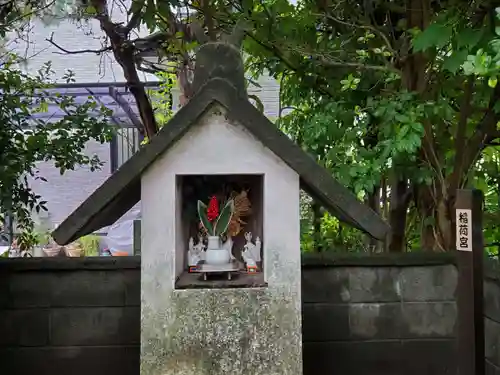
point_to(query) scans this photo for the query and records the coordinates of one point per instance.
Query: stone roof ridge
(221, 59)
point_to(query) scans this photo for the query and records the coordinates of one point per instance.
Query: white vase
(215, 254)
(37, 251)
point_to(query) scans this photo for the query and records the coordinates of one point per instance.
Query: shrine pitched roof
(220, 86)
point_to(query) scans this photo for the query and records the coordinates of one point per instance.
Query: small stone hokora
(251, 252)
(196, 253)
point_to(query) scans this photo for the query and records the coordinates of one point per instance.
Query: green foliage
(161, 98)
(333, 236)
(25, 141)
(436, 35)
(222, 223)
(371, 110)
(224, 218)
(90, 245)
(27, 240)
(16, 14)
(202, 214)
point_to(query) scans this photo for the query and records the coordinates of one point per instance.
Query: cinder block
(4, 286)
(29, 289)
(95, 326)
(355, 358)
(71, 361)
(373, 284)
(491, 368)
(438, 283)
(492, 300)
(492, 341)
(350, 284)
(375, 321)
(24, 327)
(132, 287)
(89, 288)
(429, 357)
(325, 285)
(325, 322)
(429, 319)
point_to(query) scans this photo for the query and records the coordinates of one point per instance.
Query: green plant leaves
(26, 141)
(350, 83)
(224, 218)
(434, 36)
(455, 61)
(202, 213)
(469, 38)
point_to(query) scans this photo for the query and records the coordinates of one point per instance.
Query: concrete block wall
(492, 317)
(361, 315)
(63, 317)
(383, 315)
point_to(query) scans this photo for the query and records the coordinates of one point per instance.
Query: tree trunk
(317, 214)
(124, 51)
(414, 79)
(425, 206)
(399, 201)
(438, 221)
(373, 201)
(383, 246)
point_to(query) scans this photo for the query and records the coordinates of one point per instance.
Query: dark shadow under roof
(123, 189)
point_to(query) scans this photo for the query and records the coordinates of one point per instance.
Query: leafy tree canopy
(397, 98)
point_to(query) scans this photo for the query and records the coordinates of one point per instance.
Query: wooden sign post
(469, 246)
(137, 237)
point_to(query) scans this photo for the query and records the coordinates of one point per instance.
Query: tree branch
(273, 49)
(340, 64)
(136, 16)
(124, 52)
(68, 52)
(366, 27)
(8, 8)
(209, 21)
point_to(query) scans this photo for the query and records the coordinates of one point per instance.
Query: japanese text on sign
(464, 228)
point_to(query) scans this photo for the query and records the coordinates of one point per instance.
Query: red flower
(213, 209)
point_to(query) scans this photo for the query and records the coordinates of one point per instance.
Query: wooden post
(137, 237)
(469, 245)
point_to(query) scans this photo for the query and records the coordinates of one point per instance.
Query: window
(124, 144)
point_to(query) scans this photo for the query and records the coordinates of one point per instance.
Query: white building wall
(64, 193)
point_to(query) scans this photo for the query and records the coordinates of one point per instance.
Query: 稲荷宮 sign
(464, 229)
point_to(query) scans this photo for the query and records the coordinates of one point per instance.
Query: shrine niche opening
(219, 230)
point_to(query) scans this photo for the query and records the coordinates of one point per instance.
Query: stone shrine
(220, 234)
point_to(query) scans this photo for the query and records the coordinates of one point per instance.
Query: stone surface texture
(220, 331)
